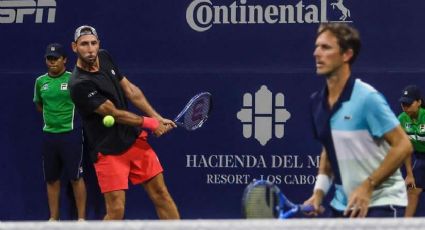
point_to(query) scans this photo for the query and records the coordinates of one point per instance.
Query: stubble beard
(87, 61)
(326, 74)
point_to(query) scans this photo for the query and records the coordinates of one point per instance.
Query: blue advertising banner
(256, 59)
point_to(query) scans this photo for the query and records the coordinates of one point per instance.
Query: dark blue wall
(157, 49)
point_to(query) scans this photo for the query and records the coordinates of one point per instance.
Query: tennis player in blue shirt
(363, 142)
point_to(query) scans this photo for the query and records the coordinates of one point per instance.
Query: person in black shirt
(121, 152)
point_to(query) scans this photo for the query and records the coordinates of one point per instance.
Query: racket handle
(310, 208)
(306, 208)
(179, 123)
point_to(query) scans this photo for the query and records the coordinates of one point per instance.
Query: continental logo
(20, 11)
(202, 15)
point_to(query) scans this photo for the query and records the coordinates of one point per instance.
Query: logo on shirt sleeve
(91, 94)
(45, 87)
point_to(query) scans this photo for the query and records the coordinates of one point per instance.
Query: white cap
(84, 30)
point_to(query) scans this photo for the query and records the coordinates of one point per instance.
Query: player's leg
(112, 175)
(161, 198)
(146, 169)
(72, 157)
(52, 171)
(115, 205)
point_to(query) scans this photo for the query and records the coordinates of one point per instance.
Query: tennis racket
(196, 112)
(263, 199)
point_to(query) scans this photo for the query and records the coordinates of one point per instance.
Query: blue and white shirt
(352, 134)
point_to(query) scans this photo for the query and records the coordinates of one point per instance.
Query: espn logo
(15, 11)
(263, 118)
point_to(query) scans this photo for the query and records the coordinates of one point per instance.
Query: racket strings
(261, 202)
(197, 113)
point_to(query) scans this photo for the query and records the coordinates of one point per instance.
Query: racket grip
(306, 208)
(179, 123)
(310, 208)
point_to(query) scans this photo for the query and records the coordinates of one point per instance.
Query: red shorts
(139, 163)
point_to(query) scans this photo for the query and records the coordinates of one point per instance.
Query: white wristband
(323, 182)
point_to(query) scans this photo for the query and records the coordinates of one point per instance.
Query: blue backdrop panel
(156, 46)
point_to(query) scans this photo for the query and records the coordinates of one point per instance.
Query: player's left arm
(137, 97)
(382, 124)
(400, 149)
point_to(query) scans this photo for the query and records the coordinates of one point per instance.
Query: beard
(329, 70)
(88, 60)
(324, 73)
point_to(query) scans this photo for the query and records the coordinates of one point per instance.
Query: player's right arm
(319, 192)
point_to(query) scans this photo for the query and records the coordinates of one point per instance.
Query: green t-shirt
(415, 129)
(58, 110)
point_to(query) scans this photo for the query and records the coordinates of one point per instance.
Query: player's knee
(77, 181)
(116, 211)
(161, 195)
(115, 206)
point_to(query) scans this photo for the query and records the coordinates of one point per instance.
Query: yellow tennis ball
(108, 121)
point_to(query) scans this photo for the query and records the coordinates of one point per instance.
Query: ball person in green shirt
(62, 142)
(413, 122)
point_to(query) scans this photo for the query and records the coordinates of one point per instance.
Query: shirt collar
(345, 95)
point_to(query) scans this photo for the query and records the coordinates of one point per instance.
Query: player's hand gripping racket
(263, 199)
(196, 112)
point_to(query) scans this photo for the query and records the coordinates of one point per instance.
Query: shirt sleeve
(37, 97)
(86, 97)
(115, 67)
(380, 118)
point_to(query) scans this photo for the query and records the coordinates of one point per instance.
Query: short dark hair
(348, 37)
